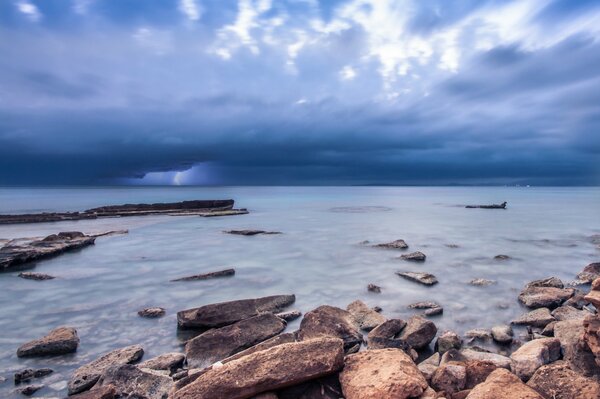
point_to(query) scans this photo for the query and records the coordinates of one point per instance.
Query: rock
(594, 295)
(492, 206)
(398, 244)
(381, 373)
(502, 384)
(478, 333)
(327, 387)
(250, 232)
(448, 340)
(167, 361)
(568, 313)
(580, 359)
(171, 208)
(450, 378)
(285, 338)
(290, 315)
(266, 395)
(501, 257)
(225, 313)
(414, 257)
(268, 370)
(546, 282)
(29, 390)
(105, 392)
(536, 318)
(499, 361)
(374, 288)
(419, 277)
(385, 335)
(366, 318)
(589, 273)
(129, 381)
(220, 343)
(87, 375)
(502, 334)
(477, 372)
(29, 374)
(433, 311)
(548, 331)
(558, 381)
(428, 366)
(35, 276)
(577, 301)
(533, 355)
(207, 276)
(59, 341)
(419, 332)
(232, 212)
(152, 313)
(329, 321)
(481, 282)
(17, 254)
(549, 297)
(591, 336)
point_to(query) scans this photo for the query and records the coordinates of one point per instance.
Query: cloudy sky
(299, 92)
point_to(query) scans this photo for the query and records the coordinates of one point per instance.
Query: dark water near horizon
(98, 290)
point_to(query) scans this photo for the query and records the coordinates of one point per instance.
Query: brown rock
(502, 334)
(533, 355)
(546, 282)
(549, 297)
(329, 321)
(477, 372)
(594, 295)
(381, 373)
(450, 378)
(167, 361)
(207, 276)
(225, 313)
(448, 340)
(591, 336)
(105, 392)
(568, 313)
(386, 335)
(290, 315)
(59, 341)
(502, 384)
(322, 388)
(578, 356)
(269, 343)
(589, 273)
(271, 369)
(129, 381)
(498, 360)
(152, 313)
(419, 332)
(536, 318)
(558, 381)
(365, 317)
(219, 343)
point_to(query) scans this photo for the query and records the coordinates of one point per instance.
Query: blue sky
(299, 92)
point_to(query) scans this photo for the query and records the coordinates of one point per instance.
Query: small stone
(414, 257)
(448, 340)
(28, 374)
(501, 257)
(29, 390)
(481, 282)
(419, 332)
(502, 334)
(35, 276)
(398, 244)
(386, 335)
(419, 277)
(374, 288)
(366, 318)
(59, 341)
(152, 313)
(478, 333)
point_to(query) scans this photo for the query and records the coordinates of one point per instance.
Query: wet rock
(536, 318)
(594, 295)
(448, 340)
(105, 392)
(87, 375)
(231, 212)
(428, 366)
(207, 276)
(419, 332)
(501, 257)
(29, 389)
(398, 244)
(568, 313)
(580, 359)
(548, 331)
(492, 206)
(268, 370)
(533, 355)
(285, 338)
(546, 282)
(374, 288)
(589, 273)
(431, 308)
(36, 276)
(225, 313)
(386, 335)
(365, 317)
(591, 336)
(250, 232)
(220, 343)
(478, 333)
(152, 313)
(290, 315)
(450, 378)
(381, 373)
(477, 372)
(414, 257)
(499, 361)
(29, 374)
(577, 301)
(129, 381)
(502, 334)
(59, 341)
(481, 282)
(558, 381)
(502, 384)
(167, 361)
(548, 297)
(329, 321)
(322, 388)
(419, 277)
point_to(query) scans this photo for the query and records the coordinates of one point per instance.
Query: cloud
(29, 10)
(190, 9)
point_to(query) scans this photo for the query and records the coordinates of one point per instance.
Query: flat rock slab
(419, 277)
(290, 315)
(381, 373)
(106, 392)
(545, 297)
(558, 381)
(131, 382)
(17, 254)
(29, 374)
(546, 282)
(220, 343)
(498, 360)
(225, 313)
(250, 232)
(87, 375)
(36, 276)
(167, 361)
(329, 321)
(59, 341)
(398, 244)
(207, 276)
(491, 206)
(481, 282)
(414, 257)
(268, 370)
(503, 384)
(536, 318)
(232, 212)
(365, 317)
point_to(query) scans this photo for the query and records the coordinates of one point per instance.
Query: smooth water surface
(320, 258)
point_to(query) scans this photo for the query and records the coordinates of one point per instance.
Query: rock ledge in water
(59, 341)
(419, 277)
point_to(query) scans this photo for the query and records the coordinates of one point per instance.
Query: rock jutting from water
(207, 276)
(398, 244)
(492, 206)
(419, 277)
(251, 232)
(35, 276)
(59, 341)
(414, 257)
(152, 313)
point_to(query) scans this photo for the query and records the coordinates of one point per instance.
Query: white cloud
(82, 6)
(347, 73)
(29, 9)
(190, 9)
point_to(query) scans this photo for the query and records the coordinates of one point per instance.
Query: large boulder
(450, 378)
(365, 317)
(558, 381)
(589, 273)
(575, 352)
(419, 332)
(59, 341)
(546, 282)
(533, 355)
(566, 312)
(225, 313)
(87, 375)
(591, 336)
(219, 343)
(329, 321)
(381, 373)
(386, 335)
(271, 369)
(502, 384)
(105, 392)
(130, 381)
(545, 297)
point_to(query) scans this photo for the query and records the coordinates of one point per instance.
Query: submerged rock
(29, 390)
(501, 257)
(36, 276)
(29, 374)
(546, 282)
(550, 297)
(558, 381)
(329, 321)
(225, 313)
(207, 276)
(492, 206)
(152, 313)
(431, 308)
(414, 256)
(131, 382)
(398, 244)
(365, 317)
(251, 232)
(503, 384)
(374, 288)
(59, 341)
(481, 282)
(419, 277)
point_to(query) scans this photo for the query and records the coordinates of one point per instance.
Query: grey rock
(546, 282)
(398, 244)
(131, 382)
(29, 374)
(549, 297)
(329, 321)
(152, 313)
(36, 276)
(167, 361)
(59, 341)
(386, 335)
(29, 390)
(414, 257)
(536, 318)
(448, 340)
(502, 334)
(481, 282)
(365, 317)
(250, 232)
(589, 273)
(419, 277)
(207, 276)
(289, 315)
(374, 288)
(419, 332)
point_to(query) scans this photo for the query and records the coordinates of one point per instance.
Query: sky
(299, 92)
